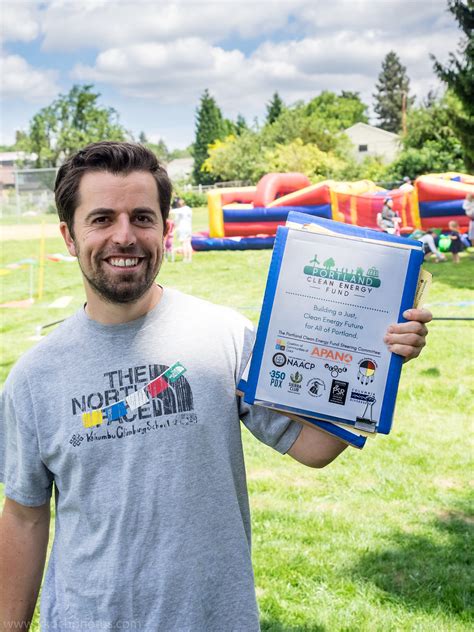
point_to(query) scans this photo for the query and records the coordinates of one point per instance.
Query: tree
(240, 125)
(338, 111)
(431, 143)
(67, 124)
(142, 138)
(209, 127)
(458, 74)
(392, 93)
(274, 108)
(159, 149)
(237, 158)
(307, 159)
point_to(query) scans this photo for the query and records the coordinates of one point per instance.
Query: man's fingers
(408, 352)
(420, 315)
(412, 327)
(411, 339)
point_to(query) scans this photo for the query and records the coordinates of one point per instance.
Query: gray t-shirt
(152, 515)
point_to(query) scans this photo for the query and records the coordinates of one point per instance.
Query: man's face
(118, 234)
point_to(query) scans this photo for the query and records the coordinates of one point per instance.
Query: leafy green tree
(431, 143)
(237, 158)
(240, 125)
(338, 111)
(392, 88)
(274, 108)
(432, 121)
(209, 127)
(433, 157)
(458, 74)
(159, 149)
(187, 152)
(67, 124)
(307, 159)
(322, 122)
(142, 138)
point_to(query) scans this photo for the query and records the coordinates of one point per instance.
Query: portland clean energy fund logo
(322, 272)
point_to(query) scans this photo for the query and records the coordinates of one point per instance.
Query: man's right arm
(24, 534)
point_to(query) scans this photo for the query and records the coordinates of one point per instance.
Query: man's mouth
(123, 262)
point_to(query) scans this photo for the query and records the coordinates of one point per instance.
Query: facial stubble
(135, 286)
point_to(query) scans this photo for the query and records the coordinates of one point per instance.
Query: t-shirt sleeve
(273, 429)
(27, 480)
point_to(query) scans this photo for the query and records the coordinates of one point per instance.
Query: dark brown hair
(115, 157)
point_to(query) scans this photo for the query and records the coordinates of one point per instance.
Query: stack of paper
(332, 291)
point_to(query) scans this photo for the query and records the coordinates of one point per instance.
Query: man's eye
(102, 219)
(143, 219)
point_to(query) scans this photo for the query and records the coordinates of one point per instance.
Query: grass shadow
(428, 573)
(272, 625)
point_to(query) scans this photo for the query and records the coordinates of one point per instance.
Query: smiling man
(128, 412)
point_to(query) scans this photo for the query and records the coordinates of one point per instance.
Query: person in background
(407, 186)
(183, 218)
(456, 243)
(468, 208)
(429, 245)
(388, 219)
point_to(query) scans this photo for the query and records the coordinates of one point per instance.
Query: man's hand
(408, 339)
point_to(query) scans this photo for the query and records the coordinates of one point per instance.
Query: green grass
(379, 540)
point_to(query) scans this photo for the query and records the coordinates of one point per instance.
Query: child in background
(183, 218)
(456, 243)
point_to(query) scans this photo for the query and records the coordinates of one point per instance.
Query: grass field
(379, 540)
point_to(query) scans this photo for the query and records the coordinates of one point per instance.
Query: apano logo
(327, 270)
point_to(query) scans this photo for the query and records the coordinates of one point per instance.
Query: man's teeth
(124, 263)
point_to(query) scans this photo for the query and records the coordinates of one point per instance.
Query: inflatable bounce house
(247, 217)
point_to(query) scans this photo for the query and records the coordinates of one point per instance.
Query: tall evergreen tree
(142, 138)
(458, 74)
(393, 87)
(209, 127)
(274, 108)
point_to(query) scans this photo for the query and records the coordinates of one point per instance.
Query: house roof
(372, 128)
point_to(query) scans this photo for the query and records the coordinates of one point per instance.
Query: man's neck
(108, 313)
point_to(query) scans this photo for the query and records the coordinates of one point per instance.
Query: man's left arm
(315, 448)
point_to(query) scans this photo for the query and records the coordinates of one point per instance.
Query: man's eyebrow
(99, 211)
(144, 209)
(111, 211)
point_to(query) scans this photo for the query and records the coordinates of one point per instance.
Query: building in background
(373, 141)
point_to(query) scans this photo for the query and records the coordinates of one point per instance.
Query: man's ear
(68, 240)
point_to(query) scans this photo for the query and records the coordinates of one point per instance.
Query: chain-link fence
(32, 193)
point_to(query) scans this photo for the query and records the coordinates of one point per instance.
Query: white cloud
(102, 25)
(19, 80)
(180, 70)
(19, 21)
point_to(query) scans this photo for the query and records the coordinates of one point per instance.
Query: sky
(152, 59)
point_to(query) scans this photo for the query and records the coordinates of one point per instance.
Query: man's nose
(123, 234)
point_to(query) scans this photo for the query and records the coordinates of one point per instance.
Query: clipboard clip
(361, 423)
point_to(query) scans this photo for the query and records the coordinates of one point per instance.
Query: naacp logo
(316, 387)
(279, 359)
(335, 370)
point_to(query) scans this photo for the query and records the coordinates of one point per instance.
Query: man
(152, 517)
